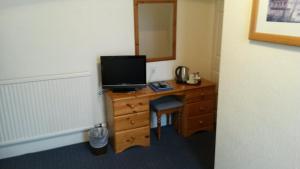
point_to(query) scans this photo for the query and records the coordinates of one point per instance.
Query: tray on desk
(160, 86)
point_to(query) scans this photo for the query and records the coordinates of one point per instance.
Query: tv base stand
(124, 90)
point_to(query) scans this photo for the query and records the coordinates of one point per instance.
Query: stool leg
(175, 121)
(179, 122)
(158, 125)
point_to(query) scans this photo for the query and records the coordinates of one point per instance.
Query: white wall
(259, 102)
(55, 37)
(216, 54)
(47, 37)
(195, 38)
(195, 22)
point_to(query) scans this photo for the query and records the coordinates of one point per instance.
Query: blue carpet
(171, 152)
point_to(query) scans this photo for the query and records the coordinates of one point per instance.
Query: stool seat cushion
(165, 103)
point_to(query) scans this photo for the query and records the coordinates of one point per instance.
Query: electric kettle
(182, 74)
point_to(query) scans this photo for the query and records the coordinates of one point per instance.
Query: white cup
(191, 77)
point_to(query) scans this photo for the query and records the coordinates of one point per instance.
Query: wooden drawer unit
(199, 108)
(132, 121)
(200, 122)
(128, 121)
(128, 138)
(206, 93)
(130, 106)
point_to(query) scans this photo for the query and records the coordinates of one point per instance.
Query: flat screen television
(123, 73)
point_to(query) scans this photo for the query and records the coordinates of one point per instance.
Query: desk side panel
(110, 118)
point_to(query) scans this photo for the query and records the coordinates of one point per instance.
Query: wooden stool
(167, 105)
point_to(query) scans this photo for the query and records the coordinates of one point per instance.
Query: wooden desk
(128, 114)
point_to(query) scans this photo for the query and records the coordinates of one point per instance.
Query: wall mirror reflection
(155, 29)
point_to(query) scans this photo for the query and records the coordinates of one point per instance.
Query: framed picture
(276, 21)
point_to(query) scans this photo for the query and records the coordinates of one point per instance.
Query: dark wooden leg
(168, 118)
(179, 122)
(175, 120)
(158, 124)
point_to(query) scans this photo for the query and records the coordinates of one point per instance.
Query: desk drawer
(194, 124)
(130, 106)
(128, 138)
(199, 108)
(207, 93)
(131, 121)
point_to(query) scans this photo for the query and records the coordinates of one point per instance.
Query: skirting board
(43, 144)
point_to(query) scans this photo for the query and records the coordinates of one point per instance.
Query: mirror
(155, 29)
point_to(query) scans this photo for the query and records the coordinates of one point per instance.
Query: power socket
(152, 71)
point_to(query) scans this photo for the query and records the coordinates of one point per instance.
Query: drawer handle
(131, 140)
(131, 105)
(146, 136)
(140, 104)
(132, 122)
(200, 122)
(201, 109)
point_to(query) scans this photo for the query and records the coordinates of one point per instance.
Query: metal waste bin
(98, 137)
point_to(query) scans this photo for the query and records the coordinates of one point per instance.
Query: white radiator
(41, 107)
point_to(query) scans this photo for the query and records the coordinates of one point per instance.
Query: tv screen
(123, 72)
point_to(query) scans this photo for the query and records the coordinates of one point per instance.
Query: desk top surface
(148, 92)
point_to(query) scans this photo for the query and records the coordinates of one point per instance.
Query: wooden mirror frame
(136, 28)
